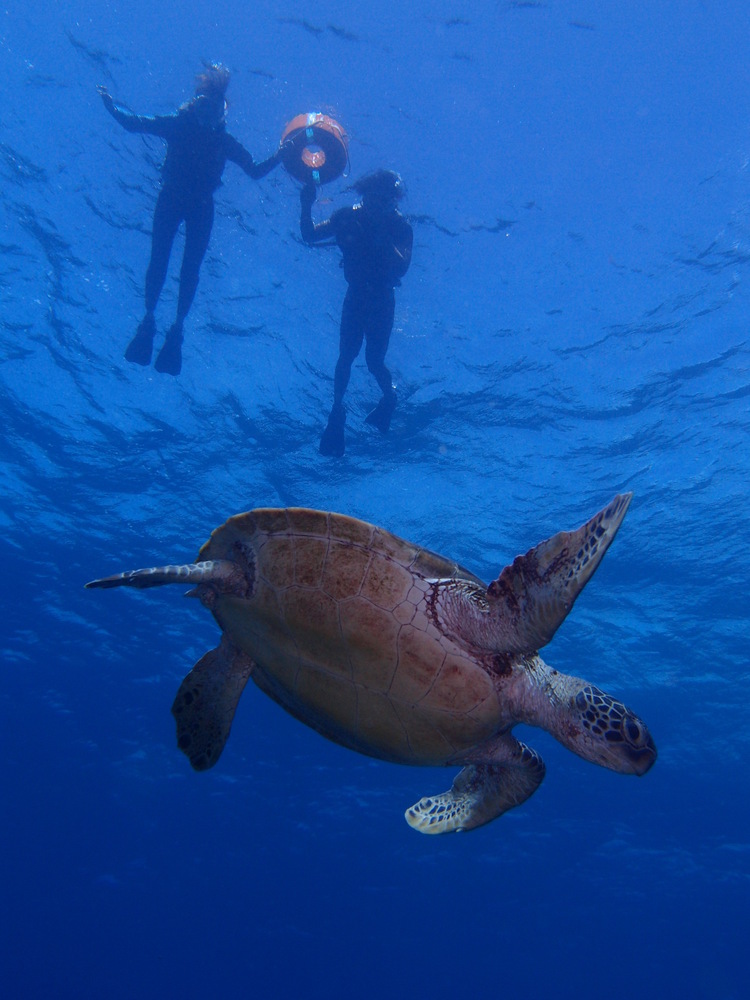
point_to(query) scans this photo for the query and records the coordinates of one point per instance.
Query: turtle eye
(633, 731)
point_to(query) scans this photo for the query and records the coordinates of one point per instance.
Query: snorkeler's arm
(402, 248)
(161, 125)
(312, 232)
(237, 153)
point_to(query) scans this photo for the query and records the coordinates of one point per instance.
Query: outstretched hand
(105, 95)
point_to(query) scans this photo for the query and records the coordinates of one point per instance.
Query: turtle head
(602, 730)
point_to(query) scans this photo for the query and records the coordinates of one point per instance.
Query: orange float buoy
(317, 148)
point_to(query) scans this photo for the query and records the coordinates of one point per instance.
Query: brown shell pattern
(336, 625)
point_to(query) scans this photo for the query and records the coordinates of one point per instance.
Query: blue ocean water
(574, 324)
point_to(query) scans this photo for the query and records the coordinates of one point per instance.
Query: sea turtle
(398, 653)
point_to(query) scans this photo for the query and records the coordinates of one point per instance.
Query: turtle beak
(641, 757)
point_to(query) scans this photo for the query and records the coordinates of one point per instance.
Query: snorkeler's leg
(351, 336)
(167, 218)
(378, 337)
(350, 342)
(198, 225)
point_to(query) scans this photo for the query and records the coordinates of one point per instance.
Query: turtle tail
(220, 574)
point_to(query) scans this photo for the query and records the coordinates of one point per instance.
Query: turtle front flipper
(206, 702)
(479, 794)
(531, 597)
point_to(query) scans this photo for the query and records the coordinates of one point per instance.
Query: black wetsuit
(376, 251)
(191, 172)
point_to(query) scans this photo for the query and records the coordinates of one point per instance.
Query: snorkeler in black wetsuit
(198, 147)
(376, 244)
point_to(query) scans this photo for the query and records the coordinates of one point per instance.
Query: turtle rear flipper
(479, 794)
(206, 702)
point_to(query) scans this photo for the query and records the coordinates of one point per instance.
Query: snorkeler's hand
(285, 150)
(105, 96)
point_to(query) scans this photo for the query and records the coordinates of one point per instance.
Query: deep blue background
(575, 323)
